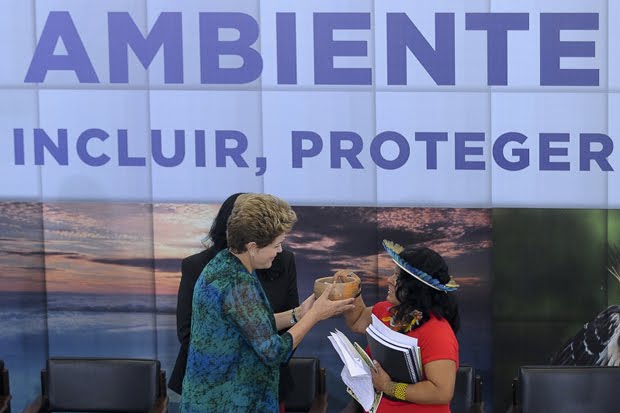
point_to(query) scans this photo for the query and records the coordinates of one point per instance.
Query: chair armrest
(477, 389)
(353, 407)
(319, 404)
(163, 388)
(36, 406)
(514, 409)
(477, 408)
(160, 405)
(478, 403)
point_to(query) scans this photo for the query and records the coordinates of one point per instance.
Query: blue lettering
(179, 149)
(497, 25)
(298, 151)
(59, 26)
(211, 48)
(461, 151)
(552, 49)
(326, 48)
(403, 35)
(587, 155)
(522, 154)
(235, 153)
(82, 147)
(338, 152)
(59, 151)
(431, 139)
(403, 150)
(201, 147)
(18, 146)
(123, 151)
(286, 40)
(166, 32)
(546, 151)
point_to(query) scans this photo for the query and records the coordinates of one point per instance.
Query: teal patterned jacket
(235, 350)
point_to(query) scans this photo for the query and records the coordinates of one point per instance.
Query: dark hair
(217, 233)
(415, 295)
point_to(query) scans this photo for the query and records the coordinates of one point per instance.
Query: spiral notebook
(398, 354)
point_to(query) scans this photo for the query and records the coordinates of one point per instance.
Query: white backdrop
(370, 103)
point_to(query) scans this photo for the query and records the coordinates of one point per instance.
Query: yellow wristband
(399, 391)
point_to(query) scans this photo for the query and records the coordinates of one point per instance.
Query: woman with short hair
(235, 349)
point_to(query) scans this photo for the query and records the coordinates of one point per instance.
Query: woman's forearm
(437, 388)
(302, 327)
(359, 317)
(423, 392)
(285, 319)
(311, 312)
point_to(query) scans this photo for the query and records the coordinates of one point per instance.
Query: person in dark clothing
(279, 283)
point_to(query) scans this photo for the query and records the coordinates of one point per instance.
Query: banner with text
(366, 103)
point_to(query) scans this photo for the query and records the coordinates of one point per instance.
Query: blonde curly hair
(258, 218)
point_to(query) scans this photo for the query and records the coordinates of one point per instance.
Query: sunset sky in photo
(128, 248)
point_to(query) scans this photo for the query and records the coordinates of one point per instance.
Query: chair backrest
(568, 389)
(467, 391)
(5, 391)
(308, 383)
(102, 384)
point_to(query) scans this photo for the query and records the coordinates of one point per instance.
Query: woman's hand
(324, 308)
(341, 276)
(380, 379)
(306, 306)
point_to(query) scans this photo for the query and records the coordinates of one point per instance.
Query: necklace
(401, 327)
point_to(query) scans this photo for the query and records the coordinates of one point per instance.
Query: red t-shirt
(437, 342)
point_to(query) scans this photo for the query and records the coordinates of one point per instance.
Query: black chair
(308, 393)
(467, 396)
(566, 389)
(101, 385)
(5, 391)
(467, 392)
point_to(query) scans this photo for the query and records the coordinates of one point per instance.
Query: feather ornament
(393, 249)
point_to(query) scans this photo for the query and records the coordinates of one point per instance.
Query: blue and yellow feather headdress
(394, 249)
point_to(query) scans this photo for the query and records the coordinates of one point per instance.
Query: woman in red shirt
(420, 303)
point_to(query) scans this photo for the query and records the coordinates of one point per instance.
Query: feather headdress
(394, 249)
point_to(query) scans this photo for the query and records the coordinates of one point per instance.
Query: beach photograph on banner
(97, 286)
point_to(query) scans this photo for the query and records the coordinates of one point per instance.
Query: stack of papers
(398, 354)
(356, 371)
